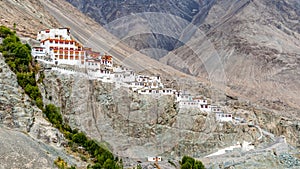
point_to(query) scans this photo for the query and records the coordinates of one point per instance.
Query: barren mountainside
(242, 54)
(29, 16)
(256, 42)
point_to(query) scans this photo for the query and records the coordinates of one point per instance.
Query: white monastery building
(223, 117)
(57, 47)
(153, 159)
(60, 33)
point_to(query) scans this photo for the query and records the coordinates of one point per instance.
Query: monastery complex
(57, 47)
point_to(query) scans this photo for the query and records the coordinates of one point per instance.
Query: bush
(190, 163)
(39, 103)
(4, 32)
(60, 163)
(18, 57)
(186, 166)
(54, 116)
(79, 138)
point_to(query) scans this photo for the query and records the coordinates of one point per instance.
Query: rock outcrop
(27, 137)
(137, 126)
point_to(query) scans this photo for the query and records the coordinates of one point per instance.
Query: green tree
(52, 113)
(79, 138)
(187, 166)
(190, 163)
(109, 164)
(139, 166)
(4, 32)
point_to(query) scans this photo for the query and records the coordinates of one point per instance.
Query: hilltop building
(188, 101)
(223, 117)
(56, 47)
(60, 33)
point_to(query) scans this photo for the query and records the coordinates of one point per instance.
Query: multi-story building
(188, 101)
(57, 46)
(60, 33)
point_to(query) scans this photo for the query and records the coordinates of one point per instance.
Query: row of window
(157, 91)
(62, 42)
(225, 115)
(39, 50)
(61, 48)
(65, 57)
(93, 63)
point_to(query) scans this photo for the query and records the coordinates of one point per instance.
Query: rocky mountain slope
(28, 16)
(107, 12)
(27, 139)
(257, 42)
(91, 34)
(134, 126)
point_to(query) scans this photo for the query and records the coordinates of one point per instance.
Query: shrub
(79, 138)
(4, 32)
(190, 163)
(60, 163)
(52, 113)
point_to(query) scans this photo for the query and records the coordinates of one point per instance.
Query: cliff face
(137, 126)
(28, 139)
